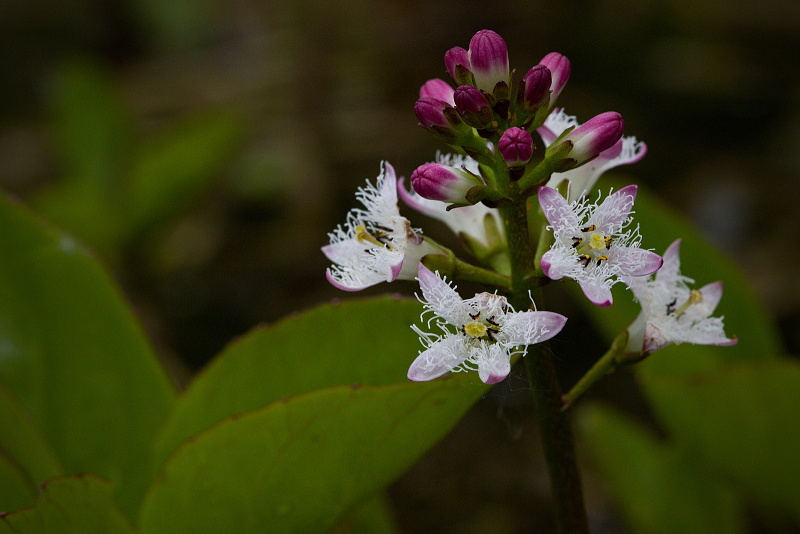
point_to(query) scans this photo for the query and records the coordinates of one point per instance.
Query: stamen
(671, 306)
(576, 242)
(608, 242)
(590, 228)
(585, 259)
(601, 259)
(490, 320)
(489, 332)
(363, 235)
(476, 315)
(695, 296)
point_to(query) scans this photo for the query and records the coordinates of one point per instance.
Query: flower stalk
(555, 429)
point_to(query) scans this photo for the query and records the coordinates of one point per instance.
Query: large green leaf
(741, 422)
(71, 352)
(17, 489)
(300, 463)
(744, 314)
(360, 341)
(23, 443)
(372, 517)
(70, 505)
(656, 485)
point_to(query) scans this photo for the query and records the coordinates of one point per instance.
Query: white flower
(479, 333)
(590, 246)
(469, 220)
(376, 244)
(582, 179)
(671, 312)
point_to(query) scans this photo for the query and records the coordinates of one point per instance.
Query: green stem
(520, 251)
(607, 363)
(447, 264)
(557, 439)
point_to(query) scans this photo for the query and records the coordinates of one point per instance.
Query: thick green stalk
(557, 439)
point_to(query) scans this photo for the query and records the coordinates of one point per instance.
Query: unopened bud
(436, 181)
(456, 60)
(488, 60)
(559, 67)
(473, 106)
(516, 147)
(438, 89)
(535, 88)
(595, 135)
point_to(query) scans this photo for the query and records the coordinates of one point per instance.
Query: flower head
(582, 179)
(481, 333)
(671, 312)
(590, 244)
(376, 244)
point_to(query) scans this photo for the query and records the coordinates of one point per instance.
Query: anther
(590, 228)
(601, 259)
(576, 242)
(585, 259)
(608, 242)
(478, 314)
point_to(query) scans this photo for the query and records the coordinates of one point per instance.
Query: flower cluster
(486, 193)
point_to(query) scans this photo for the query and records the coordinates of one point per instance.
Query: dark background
(325, 91)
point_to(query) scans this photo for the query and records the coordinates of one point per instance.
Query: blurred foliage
(203, 150)
(118, 186)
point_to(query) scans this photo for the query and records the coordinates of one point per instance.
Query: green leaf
(25, 444)
(70, 505)
(17, 490)
(372, 517)
(741, 422)
(299, 464)
(73, 355)
(361, 341)
(655, 484)
(745, 316)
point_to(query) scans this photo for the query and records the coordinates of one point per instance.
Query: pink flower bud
(438, 89)
(595, 135)
(559, 71)
(433, 112)
(537, 86)
(456, 60)
(435, 181)
(488, 60)
(472, 105)
(516, 146)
